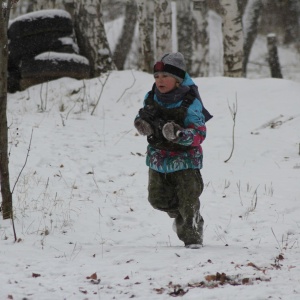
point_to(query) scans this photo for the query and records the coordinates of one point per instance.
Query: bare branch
(28, 150)
(233, 111)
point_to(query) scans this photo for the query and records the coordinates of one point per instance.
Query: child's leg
(161, 193)
(189, 223)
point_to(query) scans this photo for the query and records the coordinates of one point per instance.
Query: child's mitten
(171, 131)
(143, 127)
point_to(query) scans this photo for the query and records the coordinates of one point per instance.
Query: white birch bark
(163, 14)
(184, 31)
(232, 39)
(146, 49)
(90, 34)
(200, 39)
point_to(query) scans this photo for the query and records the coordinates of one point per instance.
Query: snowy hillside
(85, 228)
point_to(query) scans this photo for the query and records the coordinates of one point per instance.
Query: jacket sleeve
(138, 116)
(194, 131)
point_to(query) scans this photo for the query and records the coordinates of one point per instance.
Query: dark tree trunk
(4, 169)
(125, 40)
(250, 29)
(184, 31)
(273, 56)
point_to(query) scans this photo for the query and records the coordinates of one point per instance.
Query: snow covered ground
(85, 228)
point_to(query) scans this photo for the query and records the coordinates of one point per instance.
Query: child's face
(165, 83)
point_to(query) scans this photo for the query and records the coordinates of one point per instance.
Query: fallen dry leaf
(93, 276)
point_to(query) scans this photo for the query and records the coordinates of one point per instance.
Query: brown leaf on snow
(93, 276)
(246, 281)
(159, 291)
(250, 264)
(35, 275)
(10, 297)
(127, 277)
(210, 278)
(280, 257)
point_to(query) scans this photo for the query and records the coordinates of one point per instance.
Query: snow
(42, 14)
(81, 201)
(84, 226)
(69, 41)
(56, 56)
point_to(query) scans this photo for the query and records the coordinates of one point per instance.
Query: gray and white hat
(172, 64)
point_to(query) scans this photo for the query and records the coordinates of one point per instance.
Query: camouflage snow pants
(178, 194)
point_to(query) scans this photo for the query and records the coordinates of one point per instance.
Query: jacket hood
(187, 81)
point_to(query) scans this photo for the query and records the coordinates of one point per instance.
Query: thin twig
(24, 162)
(276, 240)
(14, 228)
(103, 85)
(233, 112)
(134, 80)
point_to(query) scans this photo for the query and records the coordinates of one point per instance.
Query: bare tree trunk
(184, 31)
(242, 6)
(6, 194)
(91, 36)
(200, 39)
(232, 39)
(124, 43)
(250, 24)
(273, 56)
(163, 14)
(146, 46)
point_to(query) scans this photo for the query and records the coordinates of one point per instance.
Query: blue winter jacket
(193, 134)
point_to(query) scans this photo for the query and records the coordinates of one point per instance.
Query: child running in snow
(173, 121)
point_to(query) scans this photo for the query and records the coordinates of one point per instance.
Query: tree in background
(91, 36)
(250, 29)
(7, 210)
(232, 39)
(185, 30)
(146, 58)
(281, 17)
(163, 16)
(200, 39)
(124, 43)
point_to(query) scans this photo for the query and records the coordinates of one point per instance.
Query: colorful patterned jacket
(193, 134)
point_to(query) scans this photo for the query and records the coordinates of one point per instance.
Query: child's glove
(143, 127)
(171, 131)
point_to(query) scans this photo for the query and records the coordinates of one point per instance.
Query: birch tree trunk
(124, 44)
(232, 39)
(91, 36)
(163, 14)
(200, 39)
(145, 37)
(250, 24)
(7, 211)
(184, 31)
